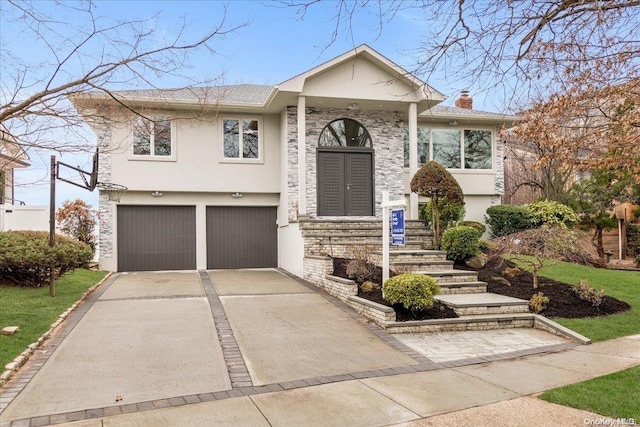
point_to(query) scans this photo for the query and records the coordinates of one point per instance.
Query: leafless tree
(581, 56)
(77, 52)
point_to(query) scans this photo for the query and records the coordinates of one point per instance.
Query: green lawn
(616, 395)
(624, 285)
(33, 310)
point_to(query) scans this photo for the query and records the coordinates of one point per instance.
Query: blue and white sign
(397, 240)
(397, 227)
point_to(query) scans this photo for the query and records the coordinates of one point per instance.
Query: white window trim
(153, 157)
(462, 152)
(260, 159)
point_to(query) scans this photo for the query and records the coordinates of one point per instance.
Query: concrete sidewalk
(489, 394)
(261, 348)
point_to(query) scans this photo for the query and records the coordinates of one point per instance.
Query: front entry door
(345, 183)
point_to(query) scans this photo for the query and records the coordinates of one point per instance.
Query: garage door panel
(156, 238)
(241, 237)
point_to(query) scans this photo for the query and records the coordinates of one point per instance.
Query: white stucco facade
(360, 85)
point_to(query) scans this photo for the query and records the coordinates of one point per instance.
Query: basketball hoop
(114, 191)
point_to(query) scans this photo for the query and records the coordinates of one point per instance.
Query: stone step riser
(420, 268)
(476, 325)
(452, 279)
(454, 290)
(504, 309)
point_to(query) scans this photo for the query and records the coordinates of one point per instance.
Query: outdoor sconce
(236, 195)
(453, 123)
(157, 194)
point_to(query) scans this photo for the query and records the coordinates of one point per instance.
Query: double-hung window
(242, 139)
(153, 138)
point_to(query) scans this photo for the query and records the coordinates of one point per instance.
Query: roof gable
(361, 73)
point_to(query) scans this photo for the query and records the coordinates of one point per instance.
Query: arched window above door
(345, 133)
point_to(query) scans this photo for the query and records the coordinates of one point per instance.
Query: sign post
(386, 206)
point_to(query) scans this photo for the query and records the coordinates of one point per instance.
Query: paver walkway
(243, 388)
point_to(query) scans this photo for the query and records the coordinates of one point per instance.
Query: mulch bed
(563, 302)
(438, 311)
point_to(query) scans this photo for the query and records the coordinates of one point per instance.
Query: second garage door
(241, 237)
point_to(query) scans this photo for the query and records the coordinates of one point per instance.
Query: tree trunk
(597, 239)
(435, 215)
(535, 277)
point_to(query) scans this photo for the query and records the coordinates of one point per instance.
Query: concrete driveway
(149, 336)
(287, 332)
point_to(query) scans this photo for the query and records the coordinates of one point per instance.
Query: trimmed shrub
(506, 219)
(552, 214)
(538, 302)
(474, 224)
(587, 293)
(437, 184)
(26, 257)
(413, 291)
(461, 242)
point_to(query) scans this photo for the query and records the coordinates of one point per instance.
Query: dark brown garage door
(241, 237)
(156, 238)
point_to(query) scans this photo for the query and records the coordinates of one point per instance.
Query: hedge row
(26, 257)
(508, 219)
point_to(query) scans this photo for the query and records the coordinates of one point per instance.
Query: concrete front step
(452, 288)
(483, 303)
(408, 255)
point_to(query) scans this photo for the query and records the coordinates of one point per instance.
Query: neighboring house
(223, 177)
(12, 156)
(14, 214)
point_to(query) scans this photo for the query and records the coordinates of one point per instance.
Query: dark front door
(345, 183)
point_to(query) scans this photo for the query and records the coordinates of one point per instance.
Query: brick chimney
(465, 101)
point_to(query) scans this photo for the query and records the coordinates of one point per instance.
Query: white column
(302, 157)
(201, 236)
(385, 236)
(413, 156)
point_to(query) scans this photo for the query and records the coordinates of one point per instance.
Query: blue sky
(275, 44)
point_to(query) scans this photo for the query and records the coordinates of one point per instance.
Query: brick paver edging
(236, 367)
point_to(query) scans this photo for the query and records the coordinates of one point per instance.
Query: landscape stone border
(230, 354)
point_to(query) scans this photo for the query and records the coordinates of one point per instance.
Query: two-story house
(221, 177)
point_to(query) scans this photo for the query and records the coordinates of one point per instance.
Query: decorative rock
(5, 375)
(11, 366)
(477, 261)
(9, 330)
(500, 281)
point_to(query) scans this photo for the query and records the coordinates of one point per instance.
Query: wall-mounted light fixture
(236, 195)
(353, 106)
(157, 194)
(453, 123)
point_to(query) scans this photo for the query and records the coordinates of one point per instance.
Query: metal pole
(385, 236)
(52, 223)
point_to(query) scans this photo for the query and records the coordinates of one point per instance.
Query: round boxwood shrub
(552, 214)
(461, 242)
(26, 257)
(507, 219)
(474, 224)
(413, 291)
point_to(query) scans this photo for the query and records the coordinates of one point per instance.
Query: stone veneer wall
(386, 134)
(499, 159)
(292, 162)
(105, 208)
